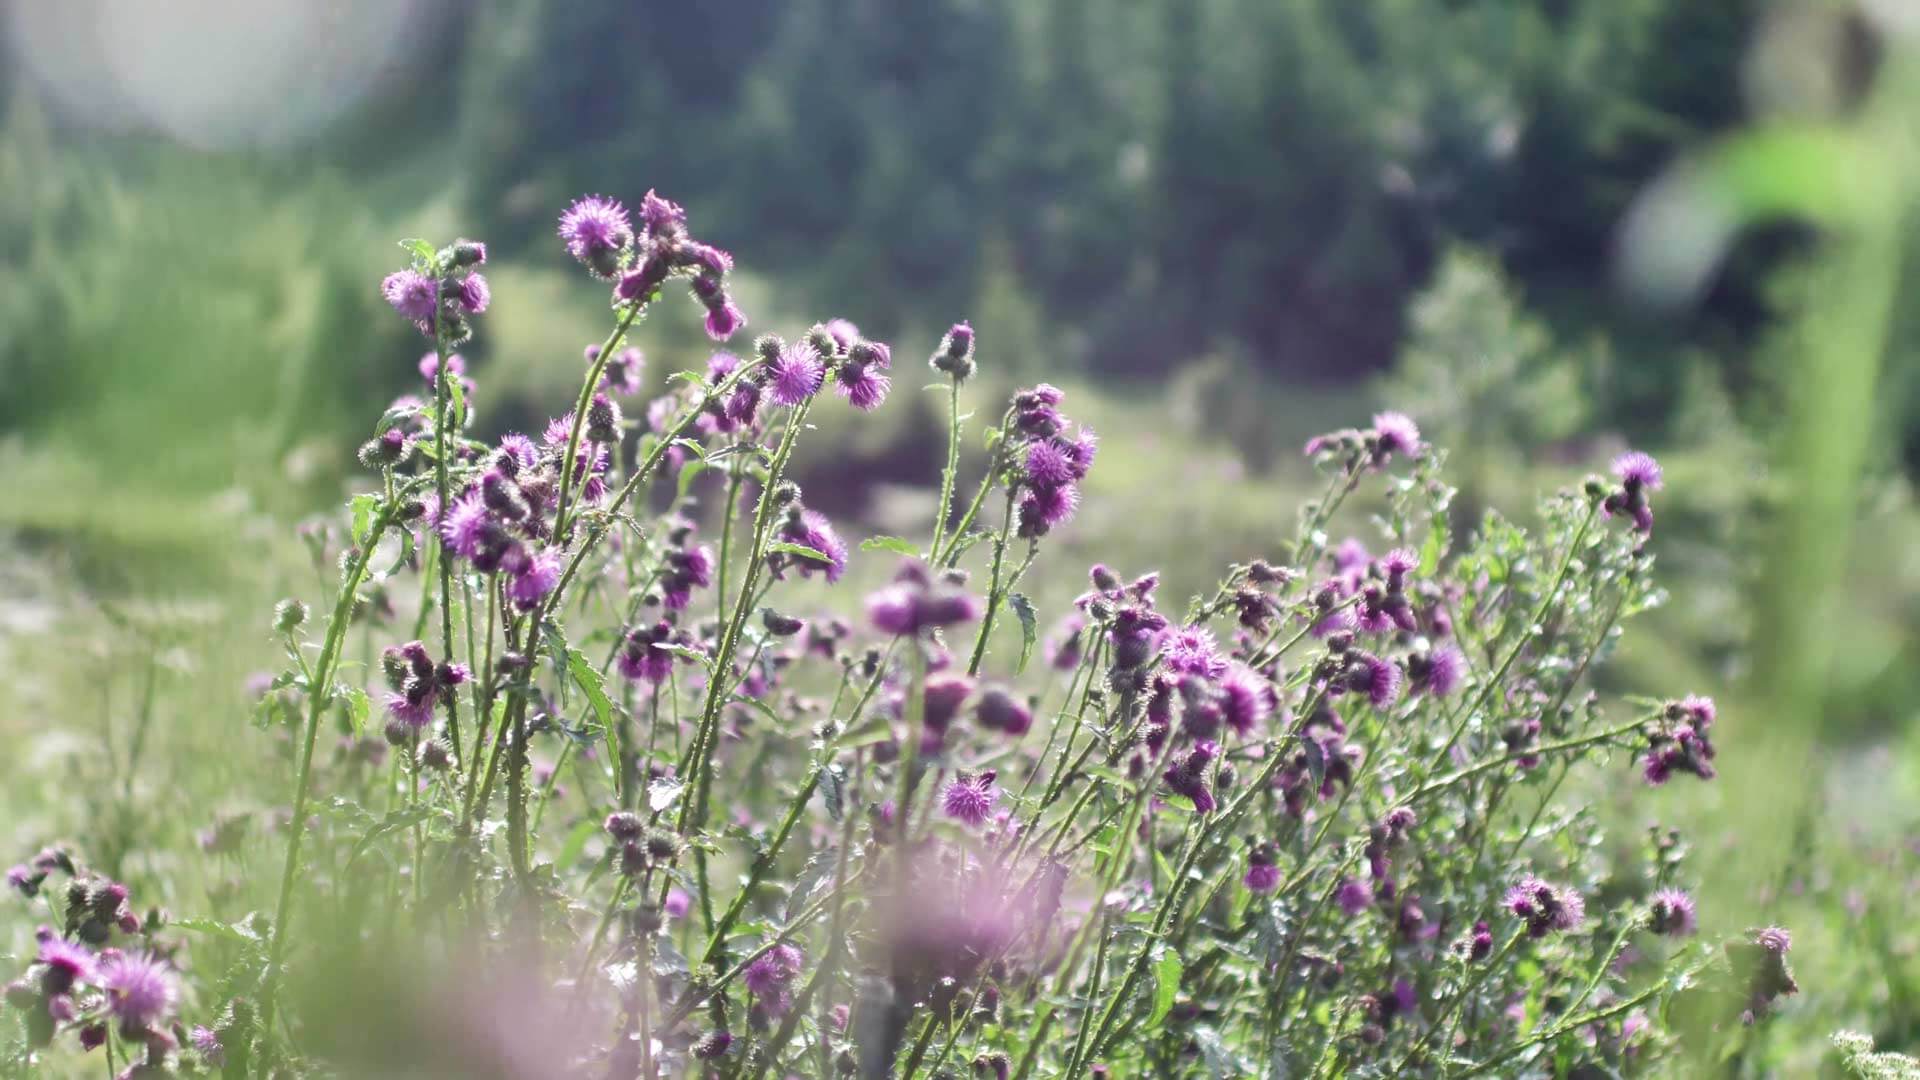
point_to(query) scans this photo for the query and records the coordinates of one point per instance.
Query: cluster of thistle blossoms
(101, 974)
(1284, 822)
(441, 298)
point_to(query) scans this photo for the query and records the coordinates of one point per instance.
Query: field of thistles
(602, 749)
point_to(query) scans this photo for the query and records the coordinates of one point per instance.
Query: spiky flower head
(596, 229)
(141, 990)
(1673, 913)
(970, 799)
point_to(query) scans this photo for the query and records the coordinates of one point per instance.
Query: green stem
(319, 696)
(947, 475)
(994, 594)
(580, 414)
(443, 487)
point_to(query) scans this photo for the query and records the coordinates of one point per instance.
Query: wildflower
(206, 1042)
(795, 374)
(1394, 433)
(467, 525)
(660, 216)
(1263, 871)
(970, 799)
(1638, 474)
(473, 294)
(999, 710)
(1375, 677)
(1049, 463)
(140, 991)
(596, 229)
(1436, 671)
(1545, 907)
(623, 372)
(1354, 896)
(955, 355)
(1136, 628)
(915, 602)
(678, 903)
(945, 693)
(1191, 650)
(713, 1045)
(1188, 775)
(811, 530)
(640, 659)
(1673, 913)
(1760, 965)
(535, 581)
(684, 570)
(770, 976)
(414, 295)
(724, 319)
(1247, 698)
(1043, 509)
(66, 963)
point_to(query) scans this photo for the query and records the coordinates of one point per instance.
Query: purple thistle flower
(687, 569)
(622, 374)
(595, 230)
(1083, 449)
(864, 387)
(999, 710)
(795, 374)
(25, 880)
(430, 366)
(67, 963)
(639, 660)
(1247, 699)
(414, 295)
(1397, 564)
(970, 799)
(1381, 680)
(1673, 913)
(659, 215)
(1190, 650)
(1049, 463)
(811, 529)
(1637, 470)
(1044, 508)
(724, 319)
(1261, 877)
(1063, 648)
(520, 450)
(468, 525)
(1699, 710)
(474, 294)
(535, 581)
(843, 332)
(1774, 939)
(946, 692)
(678, 903)
(1545, 907)
(206, 1042)
(1354, 896)
(771, 974)
(1395, 433)
(140, 990)
(1438, 671)
(915, 602)
(1188, 775)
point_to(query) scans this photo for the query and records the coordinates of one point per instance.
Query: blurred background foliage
(1222, 225)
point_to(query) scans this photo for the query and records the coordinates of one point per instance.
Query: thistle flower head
(1354, 896)
(1439, 671)
(1636, 471)
(1673, 913)
(414, 295)
(596, 229)
(140, 988)
(1395, 433)
(970, 799)
(1190, 650)
(1545, 907)
(535, 581)
(67, 963)
(795, 374)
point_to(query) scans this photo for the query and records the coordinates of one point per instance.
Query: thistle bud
(780, 625)
(467, 253)
(603, 420)
(288, 615)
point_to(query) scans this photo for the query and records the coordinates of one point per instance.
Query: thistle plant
(605, 768)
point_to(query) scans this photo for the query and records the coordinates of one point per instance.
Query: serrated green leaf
(403, 818)
(1167, 969)
(362, 506)
(1029, 627)
(457, 391)
(419, 249)
(833, 788)
(889, 543)
(688, 474)
(395, 414)
(358, 708)
(782, 547)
